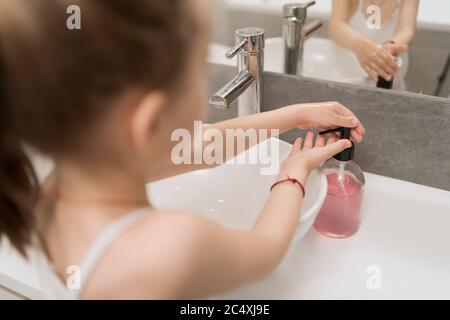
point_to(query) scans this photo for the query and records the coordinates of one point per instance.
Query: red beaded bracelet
(293, 180)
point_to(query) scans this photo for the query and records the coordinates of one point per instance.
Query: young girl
(377, 47)
(102, 102)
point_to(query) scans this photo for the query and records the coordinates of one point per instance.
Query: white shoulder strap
(104, 240)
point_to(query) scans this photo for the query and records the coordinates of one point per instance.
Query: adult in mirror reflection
(377, 31)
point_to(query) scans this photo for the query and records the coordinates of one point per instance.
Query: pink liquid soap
(340, 214)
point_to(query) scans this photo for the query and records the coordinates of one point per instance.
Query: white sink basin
(234, 194)
(323, 59)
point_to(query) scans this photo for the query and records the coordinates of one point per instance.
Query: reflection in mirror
(398, 44)
(378, 33)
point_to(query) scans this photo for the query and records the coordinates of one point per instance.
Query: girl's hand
(395, 49)
(330, 115)
(304, 159)
(377, 60)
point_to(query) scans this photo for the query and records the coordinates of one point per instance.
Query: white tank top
(53, 287)
(359, 23)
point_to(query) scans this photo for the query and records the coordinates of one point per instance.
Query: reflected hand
(395, 49)
(378, 60)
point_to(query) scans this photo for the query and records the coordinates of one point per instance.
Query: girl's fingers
(379, 71)
(341, 116)
(371, 73)
(296, 147)
(360, 129)
(330, 140)
(393, 64)
(332, 149)
(320, 141)
(356, 136)
(344, 121)
(399, 48)
(388, 63)
(308, 144)
(344, 111)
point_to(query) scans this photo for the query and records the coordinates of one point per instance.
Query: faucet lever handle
(236, 49)
(297, 9)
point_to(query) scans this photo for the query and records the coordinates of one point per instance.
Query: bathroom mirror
(346, 40)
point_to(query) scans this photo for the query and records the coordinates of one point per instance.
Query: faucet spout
(295, 33)
(223, 98)
(312, 28)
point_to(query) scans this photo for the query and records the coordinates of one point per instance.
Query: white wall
(220, 22)
(434, 14)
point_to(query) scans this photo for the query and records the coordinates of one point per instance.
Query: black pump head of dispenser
(344, 133)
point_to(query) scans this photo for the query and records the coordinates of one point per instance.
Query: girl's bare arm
(406, 26)
(313, 115)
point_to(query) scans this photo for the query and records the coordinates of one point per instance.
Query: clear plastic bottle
(340, 213)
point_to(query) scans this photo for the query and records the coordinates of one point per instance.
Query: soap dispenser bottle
(340, 213)
(385, 84)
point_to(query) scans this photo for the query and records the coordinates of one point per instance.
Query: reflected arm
(406, 26)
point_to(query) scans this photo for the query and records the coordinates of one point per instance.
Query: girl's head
(105, 96)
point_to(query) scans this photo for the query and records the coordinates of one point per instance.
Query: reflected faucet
(247, 84)
(295, 33)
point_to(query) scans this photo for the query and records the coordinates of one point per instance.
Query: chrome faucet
(295, 33)
(247, 85)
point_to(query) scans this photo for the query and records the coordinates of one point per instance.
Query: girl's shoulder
(150, 259)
